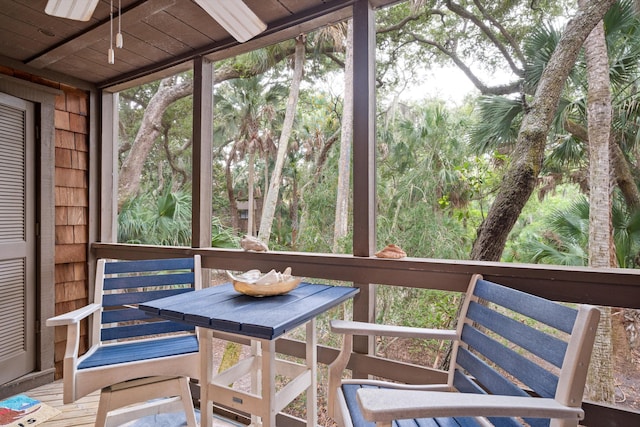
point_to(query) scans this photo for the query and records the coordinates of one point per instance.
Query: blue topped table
(220, 310)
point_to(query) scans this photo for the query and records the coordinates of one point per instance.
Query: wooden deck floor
(81, 413)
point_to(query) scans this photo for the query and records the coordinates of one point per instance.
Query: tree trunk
(294, 215)
(624, 176)
(601, 389)
(271, 199)
(233, 206)
(599, 126)
(344, 170)
(251, 229)
(600, 385)
(521, 177)
(619, 166)
(150, 128)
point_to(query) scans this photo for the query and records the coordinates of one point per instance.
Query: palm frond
(538, 48)
(498, 123)
(573, 222)
(565, 152)
(621, 18)
(544, 253)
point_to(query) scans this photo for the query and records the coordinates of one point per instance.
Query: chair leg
(104, 406)
(187, 402)
(152, 396)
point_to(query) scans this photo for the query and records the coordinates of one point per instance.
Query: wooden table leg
(206, 376)
(263, 380)
(268, 382)
(256, 378)
(312, 363)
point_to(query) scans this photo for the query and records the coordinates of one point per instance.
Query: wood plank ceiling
(158, 35)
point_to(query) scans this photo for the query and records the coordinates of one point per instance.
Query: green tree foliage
(165, 219)
(565, 238)
(161, 220)
(500, 116)
(421, 149)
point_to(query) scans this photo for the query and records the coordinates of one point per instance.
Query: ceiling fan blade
(235, 17)
(79, 10)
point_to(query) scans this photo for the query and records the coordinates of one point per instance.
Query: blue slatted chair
(132, 357)
(504, 370)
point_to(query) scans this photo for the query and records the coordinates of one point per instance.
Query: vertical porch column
(95, 182)
(202, 155)
(108, 191)
(364, 159)
(201, 171)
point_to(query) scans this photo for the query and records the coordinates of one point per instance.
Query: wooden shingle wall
(71, 210)
(71, 202)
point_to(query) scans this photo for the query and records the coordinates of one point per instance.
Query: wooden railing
(606, 287)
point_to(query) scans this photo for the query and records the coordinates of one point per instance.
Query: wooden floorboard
(81, 413)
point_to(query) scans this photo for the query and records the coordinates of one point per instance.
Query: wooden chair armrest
(349, 328)
(74, 316)
(72, 321)
(381, 405)
(364, 328)
(398, 386)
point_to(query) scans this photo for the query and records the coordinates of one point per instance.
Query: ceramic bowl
(256, 284)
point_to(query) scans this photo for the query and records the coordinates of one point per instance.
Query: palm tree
(566, 239)
(245, 113)
(600, 378)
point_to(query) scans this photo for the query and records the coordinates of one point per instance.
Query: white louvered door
(17, 239)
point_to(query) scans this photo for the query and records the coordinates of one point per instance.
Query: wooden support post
(202, 157)
(202, 151)
(364, 159)
(109, 169)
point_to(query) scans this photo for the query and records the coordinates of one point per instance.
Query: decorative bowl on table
(257, 284)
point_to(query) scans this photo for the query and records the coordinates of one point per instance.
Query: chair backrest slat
(465, 384)
(540, 380)
(128, 282)
(123, 315)
(143, 329)
(125, 284)
(546, 346)
(148, 265)
(487, 378)
(131, 298)
(540, 309)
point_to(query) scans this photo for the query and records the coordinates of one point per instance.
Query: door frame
(18, 363)
(43, 98)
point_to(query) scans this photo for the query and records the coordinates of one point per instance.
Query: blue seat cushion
(349, 391)
(141, 350)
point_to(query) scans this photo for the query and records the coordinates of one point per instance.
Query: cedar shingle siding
(72, 202)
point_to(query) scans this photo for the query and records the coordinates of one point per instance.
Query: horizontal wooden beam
(613, 287)
(602, 415)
